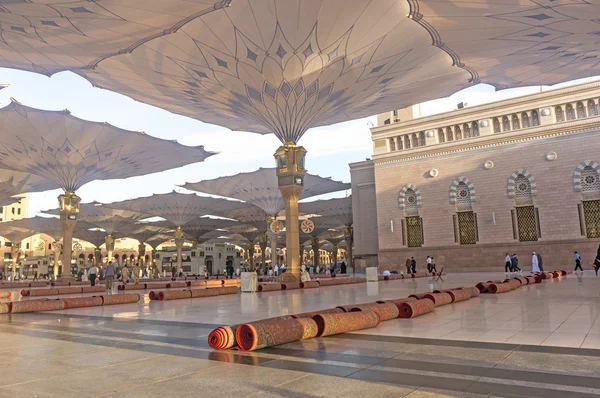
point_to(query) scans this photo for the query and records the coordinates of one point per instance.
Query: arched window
(441, 136)
(581, 113)
(392, 144)
(535, 118)
(525, 119)
(526, 226)
(505, 124)
(560, 115)
(522, 187)
(422, 138)
(458, 133)
(497, 125)
(449, 134)
(590, 181)
(407, 142)
(592, 108)
(411, 203)
(467, 130)
(463, 196)
(399, 143)
(475, 129)
(415, 141)
(516, 123)
(570, 112)
(412, 224)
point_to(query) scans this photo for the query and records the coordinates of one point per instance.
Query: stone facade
(503, 166)
(364, 213)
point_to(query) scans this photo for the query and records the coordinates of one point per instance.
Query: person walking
(433, 269)
(534, 263)
(515, 264)
(428, 262)
(597, 261)
(343, 267)
(508, 268)
(540, 262)
(92, 273)
(408, 265)
(413, 265)
(125, 274)
(110, 276)
(577, 262)
(136, 273)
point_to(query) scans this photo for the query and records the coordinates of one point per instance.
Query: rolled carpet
(175, 295)
(204, 292)
(309, 284)
(269, 287)
(257, 335)
(329, 324)
(530, 280)
(522, 280)
(563, 272)
(290, 286)
(78, 302)
(120, 298)
(6, 294)
(440, 299)
(385, 311)
(227, 290)
(38, 284)
(483, 286)
(69, 290)
(153, 295)
(232, 282)
(418, 296)
(398, 302)
(514, 284)
(474, 291)
(459, 295)
(313, 313)
(557, 274)
(133, 286)
(215, 283)
(496, 288)
(198, 283)
(37, 305)
(223, 337)
(93, 289)
(411, 309)
(42, 292)
(159, 285)
(5, 308)
(420, 275)
(174, 285)
(347, 308)
(360, 280)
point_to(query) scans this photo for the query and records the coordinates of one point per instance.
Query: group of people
(411, 265)
(328, 269)
(596, 264)
(511, 264)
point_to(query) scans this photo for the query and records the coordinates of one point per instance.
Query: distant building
(468, 186)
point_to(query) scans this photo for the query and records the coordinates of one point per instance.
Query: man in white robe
(534, 263)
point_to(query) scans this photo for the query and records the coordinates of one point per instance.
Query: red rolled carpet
(153, 295)
(120, 298)
(440, 299)
(198, 283)
(78, 302)
(93, 289)
(412, 309)
(133, 286)
(42, 292)
(514, 284)
(5, 308)
(530, 280)
(557, 274)
(203, 292)
(174, 295)
(69, 290)
(420, 275)
(498, 281)
(418, 296)
(269, 287)
(159, 285)
(215, 283)
(496, 288)
(7, 294)
(360, 280)
(223, 337)
(311, 314)
(522, 280)
(38, 284)
(398, 302)
(459, 295)
(37, 305)
(474, 291)
(227, 290)
(231, 282)
(309, 284)
(385, 311)
(174, 285)
(483, 286)
(290, 286)
(563, 272)
(329, 324)
(257, 335)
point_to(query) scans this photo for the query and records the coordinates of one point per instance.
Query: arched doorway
(208, 263)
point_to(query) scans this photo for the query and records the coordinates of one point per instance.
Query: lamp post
(68, 204)
(109, 241)
(179, 245)
(290, 159)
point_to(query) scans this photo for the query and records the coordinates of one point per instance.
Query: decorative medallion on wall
(307, 226)
(488, 165)
(433, 173)
(551, 156)
(276, 226)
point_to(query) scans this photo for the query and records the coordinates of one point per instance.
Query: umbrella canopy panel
(339, 208)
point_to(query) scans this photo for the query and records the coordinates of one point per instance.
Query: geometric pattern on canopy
(249, 232)
(14, 183)
(49, 226)
(200, 226)
(261, 188)
(96, 238)
(251, 215)
(178, 208)
(338, 208)
(72, 152)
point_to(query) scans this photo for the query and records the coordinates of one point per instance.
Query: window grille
(525, 120)
(475, 129)
(496, 125)
(560, 115)
(463, 197)
(414, 231)
(591, 214)
(458, 133)
(505, 124)
(522, 187)
(467, 130)
(581, 113)
(592, 108)
(467, 228)
(516, 124)
(422, 139)
(410, 203)
(535, 118)
(415, 141)
(527, 224)
(570, 112)
(441, 136)
(399, 143)
(449, 134)
(392, 144)
(590, 181)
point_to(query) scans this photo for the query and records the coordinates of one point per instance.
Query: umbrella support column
(68, 210)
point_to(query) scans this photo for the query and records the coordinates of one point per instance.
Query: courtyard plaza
(538, 340)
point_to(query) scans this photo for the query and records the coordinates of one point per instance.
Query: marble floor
(541, 340)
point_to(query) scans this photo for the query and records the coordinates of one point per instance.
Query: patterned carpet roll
(290, 286)
(175, 285)
(159, 285)
(174, 295)
(386, 278)
(418, 296)
(133, 286)
(5, 308)
(483, 286)
(563, 272)
(459, 295)
(37, 305)
(412, 309)
(440, 299)
(498, 281)
(360, 280)
(93, 289)
(385, 311)
(153, 295)
(204, 292)
(7, 294)
(309, 284)
(42, 292)
(231, 282)
(329, 324)
(215, 283)
(124, 298)
(474, 291)
(38, 284)
(78, 302)
(557, 274)
(420, 275)
(398, 302)
(223, 337)
(198, 284)
(227, 290)
(69, 290)
(269, 287)
(312, 314)
(347, 308)
(496, 288)
(530, 280)
(514, 284)
(257, 335)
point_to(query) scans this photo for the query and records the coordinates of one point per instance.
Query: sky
(330, 148)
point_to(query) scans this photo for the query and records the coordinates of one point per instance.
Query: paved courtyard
(541, 340)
